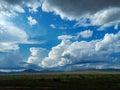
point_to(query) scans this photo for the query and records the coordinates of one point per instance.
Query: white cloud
(10, 10)
(106, 16)
(33, 6)
(5, 47)
(31, 21)
(54, 58)
(6, 10)
(85, 34)
(110, 43)
(18, 8)
(52, 26)
(37, 55)
(10, 36)
(11, 33)
(65, 37)
(103, 27)
(60, 26)
(116, 27)
(93, 54)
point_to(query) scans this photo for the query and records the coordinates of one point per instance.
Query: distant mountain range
(27, 71)
(32, 71)
(20, 72)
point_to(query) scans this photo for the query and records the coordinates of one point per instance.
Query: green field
(61, 81)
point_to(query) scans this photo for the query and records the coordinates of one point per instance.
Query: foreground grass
(61, 82)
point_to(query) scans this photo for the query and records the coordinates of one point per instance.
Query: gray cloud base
(80, 7)
(98, 12)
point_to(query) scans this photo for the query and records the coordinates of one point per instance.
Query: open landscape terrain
(59, 44)
(79, 80)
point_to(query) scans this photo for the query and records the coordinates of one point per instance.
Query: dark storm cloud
(20, 1)
(76, 9)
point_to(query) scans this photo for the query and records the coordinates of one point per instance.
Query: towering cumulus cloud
(37, 55)
(92, 54)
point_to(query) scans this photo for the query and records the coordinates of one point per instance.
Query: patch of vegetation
(61, 82)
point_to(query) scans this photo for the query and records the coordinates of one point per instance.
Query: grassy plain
(62, 81)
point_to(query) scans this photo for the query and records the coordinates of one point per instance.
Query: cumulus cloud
(97, 12)
(85, 34)
(37, 55)
(108, 43)
(31, 21)
(54, 58)
(95, 54)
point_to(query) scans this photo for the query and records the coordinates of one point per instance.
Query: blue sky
(52, 35)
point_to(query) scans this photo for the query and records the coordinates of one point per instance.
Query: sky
(59, 35)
